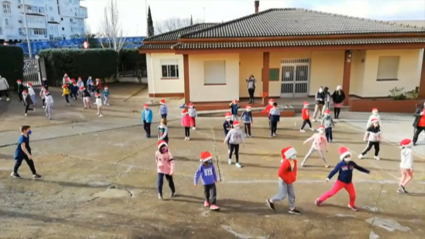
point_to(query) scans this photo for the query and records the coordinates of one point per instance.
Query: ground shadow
(245, 165)
(416, 194)
(315, 168)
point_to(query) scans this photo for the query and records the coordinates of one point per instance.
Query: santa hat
(66, 74)
(374, 120)
(162, 143)
(271, 101)
(46, 92)
(406, 143)
(97, 79)
(82, 88)
(235, 101)
(79, 77)
(64, 86)
(191, 104)
(321, 128)
(343, 152)
(306, 103)
(288, 152)
(236, 124)
(184, 112)
(228, 115)
(106, 87)
(29, 84)
(248, 107)
(25, 92)
(97, 94)
(328, 112)
(19, 81)
(66, 80)
(145, 106)
(375, 110)
(205, 156)
(72, 80)
(74, 83)
(162, 102)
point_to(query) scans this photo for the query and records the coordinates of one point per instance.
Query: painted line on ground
(314, 181)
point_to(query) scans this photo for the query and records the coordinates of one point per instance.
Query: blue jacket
(106, 93)
(207, 174)
(147, 115)
(247, 116)
(346, 171)
(19, 153)
(227, 125)
(275, 114)
(74, 89)
(234, 108)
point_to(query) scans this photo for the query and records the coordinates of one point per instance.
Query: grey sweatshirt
(327, 121)
(235, 136)
(192, 112)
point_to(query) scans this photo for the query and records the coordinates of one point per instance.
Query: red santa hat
(106, 87)
(191, 104)
(25, 92)
(374, 120)
(205, 156)
(375, 110)
(184, 112)
(236, 124)
(82, 88)
(162, 102)
(97, 94)
(235, 101)
(228, 115)
(145, 106)
(74, 83)
(72, 80)
(406, 143)
(248, 107)
(64, 86)
(19, 81)
(343, 152)
(29, 84)
(97, 79)
(321, 128)
(328, 112)
(288, 152)
(162, 143)
(46, 92)
(79, 77)
(306, 103)
(271, 101)
(66, 74)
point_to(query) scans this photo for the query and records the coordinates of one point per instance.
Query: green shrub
(130, 59)
(400, 94)
(98, 63)
(11, 63)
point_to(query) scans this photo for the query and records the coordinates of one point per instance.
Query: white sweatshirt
(235, 136)
(406, 158)
(192, 112)
(98, 101)
(373, 116)
(49, 100)
(31, 91)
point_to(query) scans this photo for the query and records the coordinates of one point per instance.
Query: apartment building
(46, 19)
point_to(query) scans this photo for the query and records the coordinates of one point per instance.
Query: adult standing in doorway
(251, 88)
(327, 105)
(320, 101)
(419, 122)
(338, 97)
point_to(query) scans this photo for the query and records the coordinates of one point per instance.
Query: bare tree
(173, 23)
(111, 32)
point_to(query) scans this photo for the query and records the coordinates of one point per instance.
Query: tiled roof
(174, 35)
(156, 46)
(298, 22)
(296, 43)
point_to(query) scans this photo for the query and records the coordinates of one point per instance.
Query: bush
(98, 63)
(130, 59)
(11, 63)
(400, 94)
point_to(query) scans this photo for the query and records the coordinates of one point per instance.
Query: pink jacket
(319, 141)
(187, 121)
(164, 163)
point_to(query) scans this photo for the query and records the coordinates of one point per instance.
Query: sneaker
(403, 189)
(228, 151)
(361, 156)
(274, 135)
(229, 161)
(314, 120)
(206, 204)
(376, 157)
(35, 176)
(326, 166)
(193, 128)
(250, 136)
(354, 208)
(312, 129)
(400, 190)
(100, 115)
(294, 211)
(47, 116)
(1, 99)
(15, 175)
(107, 104)
(44, 107)
(238, 165)
(26, 115)
(302, 131)
(159, 196)
(97, 113)
(302, 165)
(188, 138)
(330, 141)
(173, 194)
(318, 202)
(270, 204)
(214, 207)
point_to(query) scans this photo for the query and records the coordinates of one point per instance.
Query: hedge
(98, 63)
(11, 63)
(130, 58)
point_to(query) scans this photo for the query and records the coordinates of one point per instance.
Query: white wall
(158, 85)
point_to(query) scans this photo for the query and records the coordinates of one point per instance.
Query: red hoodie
(305, 113)
(286, 173)
(267, 109)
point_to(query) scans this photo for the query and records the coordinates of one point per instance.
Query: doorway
(295, 78)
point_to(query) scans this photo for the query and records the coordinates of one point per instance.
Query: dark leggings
(44, 102)
(187, 131)
(307, 121)
(251, 95)
(67, 98)
(18, 163)
(417, 132)
(247, 127)
(210, 193)
(336, 112)
(273, 127)
(369, 147)
(27, 107)
(161, 182)
(329, 135)
(234, 148)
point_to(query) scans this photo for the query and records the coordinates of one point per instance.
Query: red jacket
(287, 174)
(267, 109)
(305, 113)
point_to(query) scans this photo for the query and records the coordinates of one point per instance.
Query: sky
(132, 13)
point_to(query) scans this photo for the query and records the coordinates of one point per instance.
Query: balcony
(77, 30)
(81, 12)
(33, 10)
(36, 22)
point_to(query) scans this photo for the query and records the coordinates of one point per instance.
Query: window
(6, 7)
(1, 31)
(170, 68)
(388, 68)
(50, 8)
(40, 32)
(63, 28)
(6, 22)
(214, 72)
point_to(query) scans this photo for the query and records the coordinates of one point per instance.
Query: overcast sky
(133, 12)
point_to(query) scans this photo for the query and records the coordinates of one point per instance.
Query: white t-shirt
(406, 158)
(98, 101)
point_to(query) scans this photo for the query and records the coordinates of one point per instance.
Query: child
(106, 95)
(65, 79)
(267, 110)
(406, 165)
(247, 121)
(374, 115)
(69, 82)
(193, 114)
(207, 172)
(165, 167)
(92, 89)
(98, 85)
(319, 144)
(305, 114)
(234, 107)
(345, 176)
(74, 90)
(227, 126)
(373, 138)
(287, 176)
(147, 116)
(163, 131)
(274, 118)
(234, 138)
(89, 81)
(4, 88)
(187, 123)
(328, 122)
(43, 95)
(20, 89)
(80, 83)
(44, 83)
(163, 109)
(86, 97)
(27, 102)
(23, 152)
(98, 102)
(65, 93)
(49, 105)
(31, 92)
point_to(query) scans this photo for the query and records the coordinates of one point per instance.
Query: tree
(111, 33)
(173, 24)
(89, 37)
(151, 30)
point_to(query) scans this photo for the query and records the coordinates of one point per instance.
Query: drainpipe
(153, 79)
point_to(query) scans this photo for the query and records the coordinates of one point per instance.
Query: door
(295, 80)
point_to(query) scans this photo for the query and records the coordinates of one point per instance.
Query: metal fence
(33, 69)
